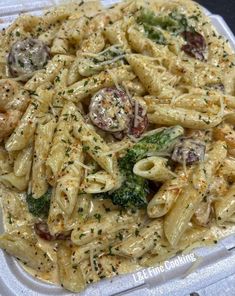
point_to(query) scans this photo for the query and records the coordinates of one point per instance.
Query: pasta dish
(117, 140)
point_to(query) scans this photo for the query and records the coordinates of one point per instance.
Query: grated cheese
(221, 105)
(112, 61)
(94, 55)
(92, 261)
(114, 79)
(136, 114)
(114, 151)
(127, 91)
(133, 139)
(173, 174)
(82, 165)
(184, 164)
(152, 132)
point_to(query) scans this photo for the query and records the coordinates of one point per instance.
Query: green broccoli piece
(154, 34)
(161, 141)
(134, 189)
(90, 66)
(132, 193)
(39, 207)
(182, 23)
(149, 17)
(175, 22)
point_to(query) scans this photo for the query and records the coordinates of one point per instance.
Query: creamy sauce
(223, 231)
(50, 277)
(15, 212)
(11, 224)
(96, 206)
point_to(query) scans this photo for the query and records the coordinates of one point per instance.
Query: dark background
(225, 8)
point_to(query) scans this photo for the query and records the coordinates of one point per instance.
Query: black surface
(225, 8)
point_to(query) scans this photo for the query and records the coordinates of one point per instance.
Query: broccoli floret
(150, 18)
(131, 194)
(154, 34)
(158, 142)
(182, 23)
(134, 189)
(91, 66)
(175, 22)
(39, 207)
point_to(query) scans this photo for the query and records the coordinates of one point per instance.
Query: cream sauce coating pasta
(117, 138)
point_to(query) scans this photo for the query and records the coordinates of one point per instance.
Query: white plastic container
(213, 273)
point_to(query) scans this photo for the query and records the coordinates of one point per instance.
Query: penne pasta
(69, 180)
(88, 86)
(152, 75)
(107, 224)
(116, 34)
(94, 43)
(225, 206)
(116, 138)
(227, 169)
(5, 162)
(153, 168)
(166, 115)
(225, 132)
(22, 135)
(163, 250)
(24, 248)
(43, 140)
(61, 140)
(50, 73)
(18, 182)
(70, 276)
(94, 145)
(163, 200)
(23, 162)
(140, 242)
(98, 182)
(176, 222)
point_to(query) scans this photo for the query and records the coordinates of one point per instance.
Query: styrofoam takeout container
(212, 274)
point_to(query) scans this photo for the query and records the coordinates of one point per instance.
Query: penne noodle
(23, 162)
(225, 206)
(98, 182)
(107, 224)
(153, 168)
(117, 141)
(42, 145)
(164, 199)
(70, 276)
(163, 250)
(94, 145)
(116, 34)
(25, 249)
(166, 115)
(50, 73)
(176, 221)
(61, 140)
(228, 168)
(88, 86)
(18, 182)
(141, 242)
(69, 180)
(23, 134)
